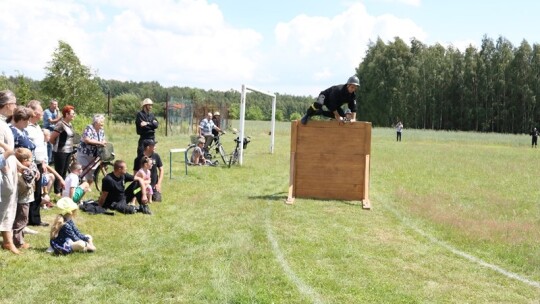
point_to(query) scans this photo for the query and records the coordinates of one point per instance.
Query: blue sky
(295, 47)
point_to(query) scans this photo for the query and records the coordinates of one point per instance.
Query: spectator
(19, 122)
(205, 129)
(156, 172)
(197, 156)
(146, 124)
(333, 98)
(115, 196)
(8, 178)
(399, 128)
(73, 189)
(37, 137)
(144, 174)
(217, 122)
(48, 177)
(534, 135)
(25, 194)
(65, 236)
(92, 139)
(51, 116)
(62, 139)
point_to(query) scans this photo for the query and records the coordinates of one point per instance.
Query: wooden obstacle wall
(330, 160)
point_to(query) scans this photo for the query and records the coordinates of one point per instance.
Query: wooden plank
(330, 160)
(330, 191)
(292, 170)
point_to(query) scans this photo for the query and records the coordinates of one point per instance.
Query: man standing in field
(51, 116)
(333, 98)
(534, 134)
(146, 124)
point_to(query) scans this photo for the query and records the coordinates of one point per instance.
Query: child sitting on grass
(144, 173)
(65, 236)
(73, 189)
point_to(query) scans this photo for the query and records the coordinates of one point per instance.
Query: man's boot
(310, 112)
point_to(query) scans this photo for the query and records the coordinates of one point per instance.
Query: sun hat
(147, 101)
(66, 205)
(216, 113)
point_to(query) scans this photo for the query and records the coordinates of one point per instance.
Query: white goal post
(243, 118)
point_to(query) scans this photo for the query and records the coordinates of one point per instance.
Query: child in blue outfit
(65, 237)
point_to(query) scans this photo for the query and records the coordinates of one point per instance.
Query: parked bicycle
(235, 156)
(102, 163)
(217, 147)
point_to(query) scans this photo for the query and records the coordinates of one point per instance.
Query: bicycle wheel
(234, 158)
(222, 153)
(101, 171)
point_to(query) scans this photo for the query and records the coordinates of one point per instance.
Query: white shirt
(35, 134)
(72, 181)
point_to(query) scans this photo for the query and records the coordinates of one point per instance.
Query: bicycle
(102, 164)
(218, 148)
(235, 156)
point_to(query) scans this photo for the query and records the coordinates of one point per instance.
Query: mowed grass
(225, 235)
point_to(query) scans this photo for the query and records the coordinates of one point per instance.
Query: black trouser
(398, 136)
(534, 140)
(61, 164)
(134, 190)
(316, 109)
(34, 215)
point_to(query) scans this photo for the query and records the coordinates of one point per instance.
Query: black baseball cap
(149, 142)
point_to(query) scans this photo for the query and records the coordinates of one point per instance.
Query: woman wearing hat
(146, 124)
(65, 236)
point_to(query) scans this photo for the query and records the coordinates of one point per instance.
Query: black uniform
(332, 98)
(146, 132)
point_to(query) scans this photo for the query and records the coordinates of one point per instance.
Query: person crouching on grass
(65, 236)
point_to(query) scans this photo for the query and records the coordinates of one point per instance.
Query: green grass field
(455, 219)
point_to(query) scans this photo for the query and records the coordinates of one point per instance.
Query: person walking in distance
(534, 135)
(399, 128)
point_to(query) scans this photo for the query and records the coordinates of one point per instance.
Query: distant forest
(493, 88)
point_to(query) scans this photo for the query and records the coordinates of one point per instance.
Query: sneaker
(27, 230)
(304, 119)
(50, 250)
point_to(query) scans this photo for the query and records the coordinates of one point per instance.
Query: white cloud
(189, 43)
(329, 49)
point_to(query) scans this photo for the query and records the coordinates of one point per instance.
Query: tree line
(70, 82)
(491, 89)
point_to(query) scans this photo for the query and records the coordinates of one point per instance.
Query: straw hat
(66, 205)
(147, 101)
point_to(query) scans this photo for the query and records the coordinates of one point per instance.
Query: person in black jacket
(146, 124)
(333, 98)
(534, 135)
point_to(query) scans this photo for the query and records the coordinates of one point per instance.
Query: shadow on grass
(280, 196)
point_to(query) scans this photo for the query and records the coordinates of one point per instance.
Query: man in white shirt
(35, 134)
